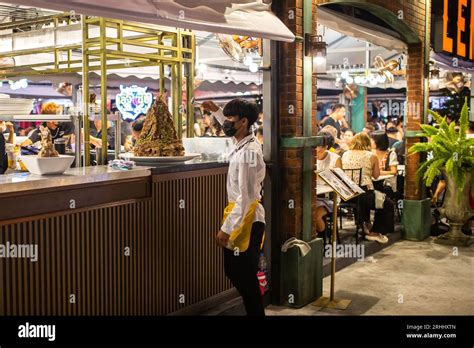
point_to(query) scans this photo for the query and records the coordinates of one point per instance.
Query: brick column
(291, 121)
(415, 112)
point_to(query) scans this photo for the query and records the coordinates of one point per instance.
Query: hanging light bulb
(350, 80)
(358, 80)
(434, 80)
(345, 74)
(253, 67)
(316, 48)
(373, 81)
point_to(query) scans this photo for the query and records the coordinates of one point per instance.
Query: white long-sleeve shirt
(244, 179)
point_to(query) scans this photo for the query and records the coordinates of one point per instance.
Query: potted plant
(452, 154)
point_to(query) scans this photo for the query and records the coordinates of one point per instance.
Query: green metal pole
(85, 91)
(190, 90)
(308, 158)
(103, 88)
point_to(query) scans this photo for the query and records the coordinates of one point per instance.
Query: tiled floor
(406, 278)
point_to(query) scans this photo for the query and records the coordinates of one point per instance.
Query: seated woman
(347, 136)
(360, 156)
(325, 160)
(336, 148)
(388, 162)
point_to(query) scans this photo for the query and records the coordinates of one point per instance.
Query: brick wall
(290, 94)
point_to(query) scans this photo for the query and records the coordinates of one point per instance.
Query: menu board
(341, 183)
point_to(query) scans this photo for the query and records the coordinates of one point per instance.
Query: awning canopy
(446, 62)
(242, 17)
(360, 29)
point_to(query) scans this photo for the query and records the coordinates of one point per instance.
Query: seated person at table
(333, 132)
(347, 136)
(388, 162)
(325, 160)
(57, 129)
(392, 133)
(360, 156)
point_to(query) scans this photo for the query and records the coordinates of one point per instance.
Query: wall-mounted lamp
(316, 48)
(434, 80)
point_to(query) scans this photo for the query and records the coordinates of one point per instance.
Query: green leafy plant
(450, 148)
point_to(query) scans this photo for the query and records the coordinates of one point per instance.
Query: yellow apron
(240, 237)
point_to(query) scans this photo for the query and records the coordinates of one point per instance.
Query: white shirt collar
(237, 144)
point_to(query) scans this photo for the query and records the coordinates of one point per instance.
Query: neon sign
(454, 28)
(133, 101)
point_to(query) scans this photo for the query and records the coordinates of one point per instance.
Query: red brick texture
(290, 93)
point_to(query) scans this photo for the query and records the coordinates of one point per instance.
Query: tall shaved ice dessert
(158, 137)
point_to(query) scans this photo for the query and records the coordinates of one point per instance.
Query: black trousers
(242, 269)
(384, 219)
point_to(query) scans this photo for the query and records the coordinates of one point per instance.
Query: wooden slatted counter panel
(150, 257)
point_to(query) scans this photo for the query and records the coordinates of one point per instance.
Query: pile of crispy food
(47, 147)
(158, 137)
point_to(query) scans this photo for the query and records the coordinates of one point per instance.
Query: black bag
(437, 226)
(3, 155)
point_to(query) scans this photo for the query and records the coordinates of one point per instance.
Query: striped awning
(240, 17)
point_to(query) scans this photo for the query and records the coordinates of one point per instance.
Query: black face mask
(229, 128)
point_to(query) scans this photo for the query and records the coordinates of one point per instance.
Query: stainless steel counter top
(17, 182)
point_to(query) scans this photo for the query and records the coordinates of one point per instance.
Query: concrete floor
(407, 278)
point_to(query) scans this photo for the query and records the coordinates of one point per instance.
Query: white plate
(151, 160)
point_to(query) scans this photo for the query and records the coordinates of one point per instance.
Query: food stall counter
(27, 196)
(15, 182)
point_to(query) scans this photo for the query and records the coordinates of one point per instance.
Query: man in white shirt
(243, 225)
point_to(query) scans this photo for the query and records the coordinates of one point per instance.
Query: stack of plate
(15, 106)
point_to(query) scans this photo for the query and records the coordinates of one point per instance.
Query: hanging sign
(133, 101)
(453, 28)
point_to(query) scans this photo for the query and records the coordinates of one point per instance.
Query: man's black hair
(259, 131)
(243, 109)
(381, 141)
(138, 126)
